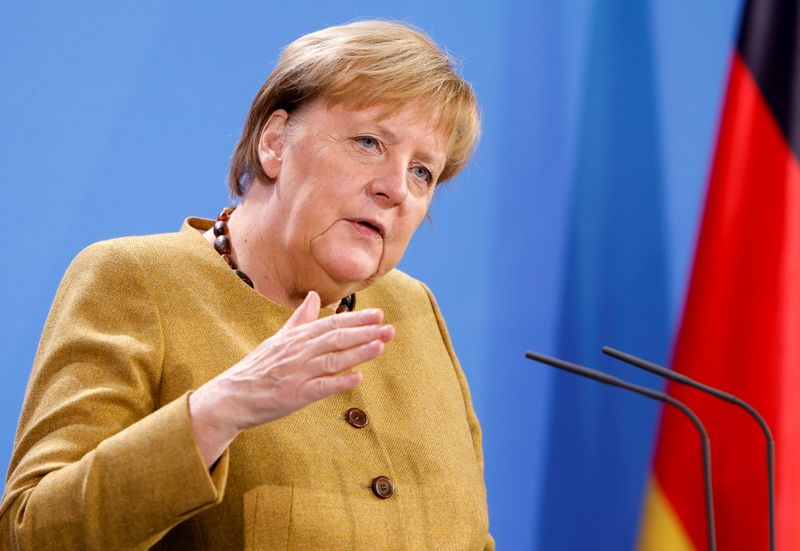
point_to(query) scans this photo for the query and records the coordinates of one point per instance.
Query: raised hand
(303, 362)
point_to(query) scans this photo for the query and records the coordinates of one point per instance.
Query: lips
(368, 227)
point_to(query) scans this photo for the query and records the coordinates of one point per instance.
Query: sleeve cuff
(157, 461)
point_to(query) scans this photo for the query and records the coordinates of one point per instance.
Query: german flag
(740, 329)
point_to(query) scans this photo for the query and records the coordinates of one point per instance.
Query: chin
(352, 271)
(349, 266)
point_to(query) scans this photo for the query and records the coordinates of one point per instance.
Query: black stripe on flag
(769, 43)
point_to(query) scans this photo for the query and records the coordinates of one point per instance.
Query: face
(351, 187)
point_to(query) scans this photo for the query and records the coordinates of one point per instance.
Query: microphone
(661, 397)
(684, 380)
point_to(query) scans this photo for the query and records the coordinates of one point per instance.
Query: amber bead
(347, 304)
(229, 261)
(225, 215)
(220, 227)
(222, 244)
(244, 277)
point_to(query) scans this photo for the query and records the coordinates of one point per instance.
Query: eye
(422, 173)
(368, 142)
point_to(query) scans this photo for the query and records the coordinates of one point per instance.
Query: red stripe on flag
(741, 333)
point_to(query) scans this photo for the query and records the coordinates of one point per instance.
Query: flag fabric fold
(614, 292)
(740, 329)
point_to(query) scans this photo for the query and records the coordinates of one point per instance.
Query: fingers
(370, 316)
(307, 312)
(348, 337)
(322, 387)
(336, 361)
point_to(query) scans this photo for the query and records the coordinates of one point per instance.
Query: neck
(258, 250)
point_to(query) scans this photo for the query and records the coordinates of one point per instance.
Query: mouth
(368, 227)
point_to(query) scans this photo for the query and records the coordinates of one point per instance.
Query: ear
(272, 142)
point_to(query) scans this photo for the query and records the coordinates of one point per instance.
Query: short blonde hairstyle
(362, 64)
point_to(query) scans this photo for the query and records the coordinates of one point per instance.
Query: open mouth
(372, 226)
(368, 228)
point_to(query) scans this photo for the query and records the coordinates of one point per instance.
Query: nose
(390, 187)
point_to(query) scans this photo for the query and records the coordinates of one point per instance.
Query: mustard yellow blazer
(104, 457)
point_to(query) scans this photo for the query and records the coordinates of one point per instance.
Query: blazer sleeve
(97, 462)
(472, 419)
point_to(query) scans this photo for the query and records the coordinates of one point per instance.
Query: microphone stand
(661, 397)
(684, 380)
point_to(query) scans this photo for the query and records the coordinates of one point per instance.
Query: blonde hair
(362, 64)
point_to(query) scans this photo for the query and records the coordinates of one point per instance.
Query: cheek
(326, 199)
(331, 177)
(406, 229)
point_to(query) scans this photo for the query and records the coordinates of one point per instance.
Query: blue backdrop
(573, 226)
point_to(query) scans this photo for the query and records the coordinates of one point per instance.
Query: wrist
(212, 428)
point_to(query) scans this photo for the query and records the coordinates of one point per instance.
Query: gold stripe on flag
(661, 529)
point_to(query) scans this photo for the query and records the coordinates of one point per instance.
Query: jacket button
(383, 487)
(356, 418)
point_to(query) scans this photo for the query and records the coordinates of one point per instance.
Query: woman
(268, 380)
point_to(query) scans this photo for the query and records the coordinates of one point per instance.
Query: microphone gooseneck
(661, 397)
(684, 380)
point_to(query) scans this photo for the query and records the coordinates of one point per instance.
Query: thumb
(306, 312)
